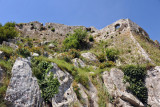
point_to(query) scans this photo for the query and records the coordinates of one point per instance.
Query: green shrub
(49, 26)
(71, 42)
(10, 25)
(7, 32)
(48, 84)
(23, 51)
(112, 54)
(49, 87)
(135, 76)
(37, 73)
(53, 29)
(91, 39)
(75, 40)
(7, 50)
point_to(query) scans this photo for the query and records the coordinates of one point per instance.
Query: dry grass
(149, 46)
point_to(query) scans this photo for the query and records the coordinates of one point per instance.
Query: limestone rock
(1, 75)
(153, 86)
(90, 96)
(51, 46)
(66, 95)
(113, 81)
(34, 54)
(90, 56)
(93, 94)
(10, 44)
(83, 95)
(78, 63)
(23, 90)
(45, 54)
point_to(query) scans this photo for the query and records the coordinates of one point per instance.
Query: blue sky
(98, 13)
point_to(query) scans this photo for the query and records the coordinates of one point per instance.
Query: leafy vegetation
(112, 54)
(23, 51)
(7, 32)
(80, 75)
(135, 76)
(75, 40)
(48, 84)
(53, 29)
(8, 51)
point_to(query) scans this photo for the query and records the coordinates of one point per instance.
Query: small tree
(76, 39)
(7, 32)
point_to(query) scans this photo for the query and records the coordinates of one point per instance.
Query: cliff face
(89, 77)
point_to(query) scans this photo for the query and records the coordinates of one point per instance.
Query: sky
(97, 13)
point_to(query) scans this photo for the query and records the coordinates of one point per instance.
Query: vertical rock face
(66, 95)
(23, 90)
(153, 86)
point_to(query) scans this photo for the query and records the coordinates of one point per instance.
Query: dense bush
(135, 76)
(49, 87)
(53, 29)
(48, 84)
(7, 32)
(112, 54)
(75, 40)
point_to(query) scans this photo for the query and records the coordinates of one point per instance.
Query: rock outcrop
(113, 81)
(66, 95)
(90, 56)
(23, 90)
(153, 86)
(78, 63)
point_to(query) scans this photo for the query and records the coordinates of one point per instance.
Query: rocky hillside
(73, 66)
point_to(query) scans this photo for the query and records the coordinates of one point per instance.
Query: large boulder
(90, 56)
(153, 86)
(78, 63)
(23, 90)
(113, 81)
(66, 95)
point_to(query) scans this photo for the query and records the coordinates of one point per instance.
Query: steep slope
(114, 66)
